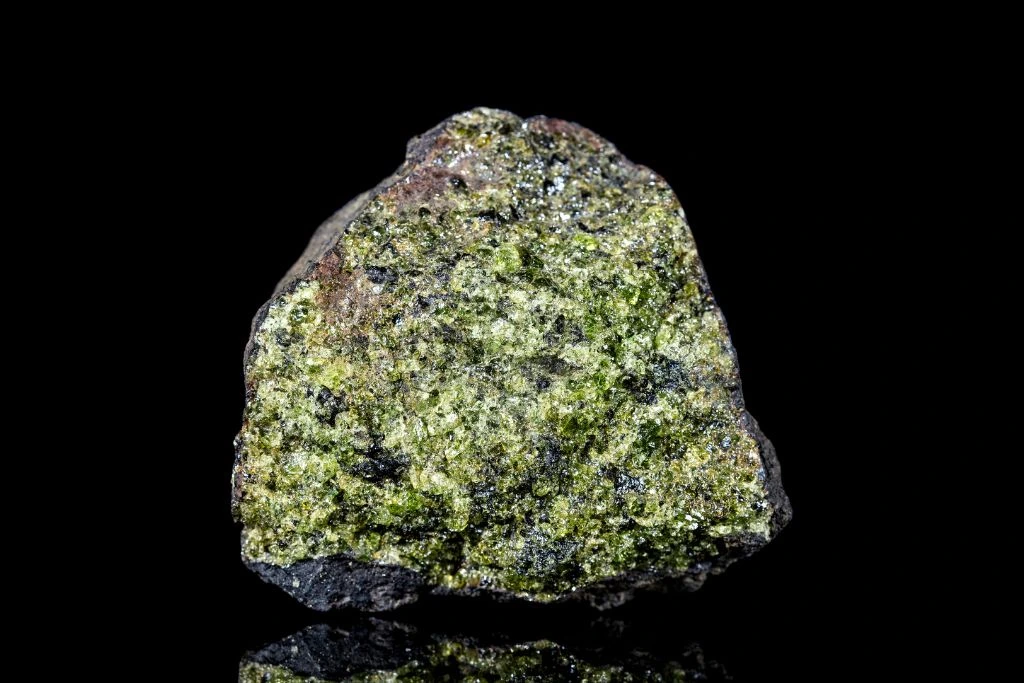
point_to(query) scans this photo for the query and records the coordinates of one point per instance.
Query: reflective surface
(379, 650)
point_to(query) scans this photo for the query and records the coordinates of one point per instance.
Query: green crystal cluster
(507, 373)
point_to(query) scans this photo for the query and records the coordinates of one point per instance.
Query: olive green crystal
(501, 370)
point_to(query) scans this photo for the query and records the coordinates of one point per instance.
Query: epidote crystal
(501, 370)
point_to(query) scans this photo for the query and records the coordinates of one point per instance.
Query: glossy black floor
(752, 160)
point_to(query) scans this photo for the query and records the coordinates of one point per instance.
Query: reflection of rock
(383, 651)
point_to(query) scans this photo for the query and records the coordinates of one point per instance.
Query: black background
(762, 164)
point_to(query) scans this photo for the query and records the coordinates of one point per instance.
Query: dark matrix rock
(500, 371)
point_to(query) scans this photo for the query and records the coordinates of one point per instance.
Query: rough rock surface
(383, 651)
(500, 371)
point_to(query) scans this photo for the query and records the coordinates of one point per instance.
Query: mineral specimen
(500, 371)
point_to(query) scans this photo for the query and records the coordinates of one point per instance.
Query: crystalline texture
(501, 370)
